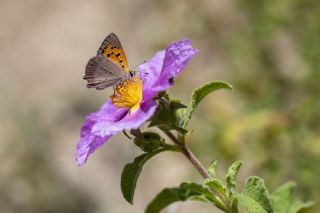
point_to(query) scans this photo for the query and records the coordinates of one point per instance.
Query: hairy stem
(172, 137)
(186, 151)
(189, 155)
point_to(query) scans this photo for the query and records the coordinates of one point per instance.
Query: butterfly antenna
(137, 71)
(144, 61)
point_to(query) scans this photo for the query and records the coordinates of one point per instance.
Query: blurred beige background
(45, 45)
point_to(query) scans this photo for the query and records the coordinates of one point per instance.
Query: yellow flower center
(128, 94)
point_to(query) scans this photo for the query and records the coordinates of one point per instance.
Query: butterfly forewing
(111, 48)
(102, 73)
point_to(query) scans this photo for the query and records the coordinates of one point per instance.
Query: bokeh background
(269, 50)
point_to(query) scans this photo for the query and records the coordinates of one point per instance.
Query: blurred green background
(268, 50)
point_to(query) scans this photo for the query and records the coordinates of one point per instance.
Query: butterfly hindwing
(102, 73)
(111, 48)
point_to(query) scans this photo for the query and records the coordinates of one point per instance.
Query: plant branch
(189, 155)
(172, 137)
(196, 163)
(186, 151)
(202, 170)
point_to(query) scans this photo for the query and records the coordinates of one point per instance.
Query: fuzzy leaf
(234, 205)
(197, 96)
(148, 141)
(131, 172)
(283, 200)
(186, 191)
(232, 175)
(255, 197)
(167, 197)
(212, 170)
(216, 185)
(176, 104)
(203, 194)
(165, 116)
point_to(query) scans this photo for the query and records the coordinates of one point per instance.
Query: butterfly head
(131, 73)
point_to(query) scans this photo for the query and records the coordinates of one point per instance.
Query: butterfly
(109, 67)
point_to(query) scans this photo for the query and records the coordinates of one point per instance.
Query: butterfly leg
(115, 86)
(114, 89)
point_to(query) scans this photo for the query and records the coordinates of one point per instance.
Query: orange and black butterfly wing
(102, 73)
(111, 48)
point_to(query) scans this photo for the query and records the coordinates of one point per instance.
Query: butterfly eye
(131, 73)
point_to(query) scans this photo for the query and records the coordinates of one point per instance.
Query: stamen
(128, 94)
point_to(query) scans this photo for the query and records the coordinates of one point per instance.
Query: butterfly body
(109, 67)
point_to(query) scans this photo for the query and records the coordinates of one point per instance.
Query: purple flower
(133, 104)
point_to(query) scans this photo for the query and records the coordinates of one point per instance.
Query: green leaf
(131, 172)
(197, 96)
(255, 197)
(197, 189)
(163, 94)
(232, 175)
(216, 185)
(283, 200)
(167, 197)
(212, 170)
(203, 194)
(234, 205)
(186, 191)
(165, 116)
(148, 141)
(176, 104)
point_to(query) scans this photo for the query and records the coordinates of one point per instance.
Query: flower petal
(89, 142)
(160, 72)
(109, 120)
(131, 120)
(176, 58)
(150, 71)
